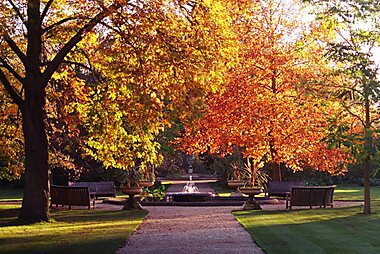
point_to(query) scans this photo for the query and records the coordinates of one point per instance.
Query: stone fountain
(190, 186)
(189, 193)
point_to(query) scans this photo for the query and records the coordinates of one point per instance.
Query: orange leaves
(267, 108)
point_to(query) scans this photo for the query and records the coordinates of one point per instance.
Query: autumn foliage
(113, 72)
(269, 108)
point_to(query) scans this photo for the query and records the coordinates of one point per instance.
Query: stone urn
(131, 203)
(236, 184)
(146, 183)
(251, 203)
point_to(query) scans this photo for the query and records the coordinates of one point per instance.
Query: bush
(310, 176)
(222, 166)
(374, 181)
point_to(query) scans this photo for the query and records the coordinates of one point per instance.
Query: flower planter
(131, 203)
(131, 190)
(146, 183)
(251, 191)
(251, 203)
(236, 183)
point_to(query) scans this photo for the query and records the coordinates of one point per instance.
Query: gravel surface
(190, 230)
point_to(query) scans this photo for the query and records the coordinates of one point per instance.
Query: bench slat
(310, 196)
(103, 188)
(71, 196)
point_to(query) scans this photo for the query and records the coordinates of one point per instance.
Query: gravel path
(191, 230)
(194, 230)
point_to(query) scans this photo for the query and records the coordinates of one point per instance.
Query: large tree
(128, 44)
(269, 108)
(356, 23)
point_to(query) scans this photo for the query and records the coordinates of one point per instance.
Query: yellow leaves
(265, 108)
(147, 65)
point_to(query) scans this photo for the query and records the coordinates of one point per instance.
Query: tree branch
(16, 50)
(46, 9)
(11, 91)
(354, 115)
(17, 12)
(374, 120)
(59, 23)
(11, 70)
(78, 64)
(57, 60)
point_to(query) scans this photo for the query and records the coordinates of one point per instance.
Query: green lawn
(76, 231)
(355, 193)
(338, 230)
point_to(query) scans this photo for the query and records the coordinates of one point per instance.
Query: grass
(338, 230)
(355, 193)
(74, 232)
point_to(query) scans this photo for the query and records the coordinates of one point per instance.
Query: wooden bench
(280, 188)
(71, 196)
(321, 196)
(104, 188)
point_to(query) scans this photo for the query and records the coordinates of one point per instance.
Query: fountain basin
(189, 196)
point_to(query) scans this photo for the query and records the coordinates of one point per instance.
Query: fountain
(189, 193)
(190, 186)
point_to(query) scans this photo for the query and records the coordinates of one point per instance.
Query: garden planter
(236, 183)
(251, 203)
(131, 203)
(146, 183)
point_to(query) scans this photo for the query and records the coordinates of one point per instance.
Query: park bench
(280, 188)
(71, 196)
(103, 188)
(321, 196)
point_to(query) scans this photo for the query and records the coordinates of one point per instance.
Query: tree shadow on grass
(8, 217)
(337, 230)
(94, 246)
(75, 231)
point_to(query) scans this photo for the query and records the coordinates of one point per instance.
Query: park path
(195, 230)
(190, 230)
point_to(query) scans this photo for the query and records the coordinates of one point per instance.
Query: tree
(268, 108)
(11, 142)
(356, 24)
(42, 41)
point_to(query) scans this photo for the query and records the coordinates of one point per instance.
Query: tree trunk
(35, 205)
(367, 187)
(276, 172)
(367, 149)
